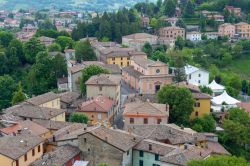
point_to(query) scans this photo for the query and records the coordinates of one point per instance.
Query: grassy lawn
(241, 67)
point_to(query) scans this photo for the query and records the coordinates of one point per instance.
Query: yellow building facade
(24, 160)
(60, 117)
(52, 104)
(202, 105)
(121, 61)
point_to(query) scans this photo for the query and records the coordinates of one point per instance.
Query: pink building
(146, 76)
(145, 113)
(227, 30)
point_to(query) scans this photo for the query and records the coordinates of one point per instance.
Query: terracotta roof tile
(31, 111)
(98, 104)
(16, 146)
(167, 132)
(60, 156)
(34, 128)
(52, 125)
(145, 109)
(104, 79)
(41, 99)
(69, 97)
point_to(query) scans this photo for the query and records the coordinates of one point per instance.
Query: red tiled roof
(245, 105)
(98, 104)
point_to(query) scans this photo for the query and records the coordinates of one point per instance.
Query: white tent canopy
(224, 98)
(216, 87)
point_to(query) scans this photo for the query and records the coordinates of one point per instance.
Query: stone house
(106, 85)
(111, 146)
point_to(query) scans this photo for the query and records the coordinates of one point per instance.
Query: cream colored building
(48, 100)
(20, 150)
(137, 40)
(243, 30)
(146, 76)
(105, 85)
(145, 113)
(226, 30)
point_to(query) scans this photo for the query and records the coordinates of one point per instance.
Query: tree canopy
(180, 103)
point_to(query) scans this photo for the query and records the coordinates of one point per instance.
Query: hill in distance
(84, 5)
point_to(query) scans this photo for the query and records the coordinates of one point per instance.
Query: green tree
(205, 89)
(103, 164)
(18, 45)
(147, 48)
(169, 8)
(154, 23)
(43, 74)
(18, 96)
(31, 48)
(189, 9)
(65, 42)
(5, 38)
(179, 73)
(78, 118)
(3, 63)
(179, 43)
(89, 71)
(54, 48)
(180, 103)
(7, 88)
(205, 124)
(84, 51)
(159, 55)
(220, 161)
(181, 23)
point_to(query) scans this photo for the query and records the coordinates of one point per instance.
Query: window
(131, 120)
(128, 58)
(150, 147)
(25, 157)
(121, 58)
(156, 165)
(156, 157)
(17, 162)
(99, 116)
(113, 63)
(128, 63)
(141, 163)
(157, 71)
(197, 104)
(127, 152)
(33, 152)
(196, 113)
(141, 153)
(199, 81)
(85, 140)
(39, 148)
(121, 63)
(145, 120)
(100, 88)
(190, 76)
(158, 121)
(113, 59)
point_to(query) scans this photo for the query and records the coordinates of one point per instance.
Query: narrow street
(125, 91)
